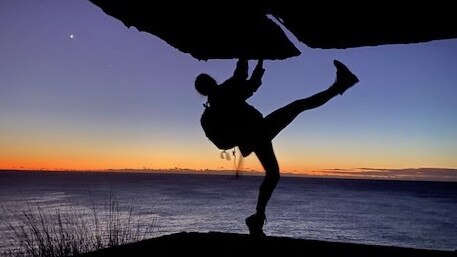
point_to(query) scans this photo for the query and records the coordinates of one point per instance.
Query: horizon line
(406, 174)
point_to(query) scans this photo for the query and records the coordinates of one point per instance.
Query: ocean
(397, 213)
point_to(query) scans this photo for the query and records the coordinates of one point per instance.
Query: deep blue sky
(80, 90)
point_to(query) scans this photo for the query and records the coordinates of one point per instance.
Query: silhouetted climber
(229, 121)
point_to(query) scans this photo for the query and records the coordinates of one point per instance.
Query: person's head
(204, 84)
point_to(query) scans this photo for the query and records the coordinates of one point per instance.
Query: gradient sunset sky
(79, 90)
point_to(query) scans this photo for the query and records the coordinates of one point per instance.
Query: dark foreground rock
(228, 244)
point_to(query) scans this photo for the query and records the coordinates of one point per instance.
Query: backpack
(229, 127)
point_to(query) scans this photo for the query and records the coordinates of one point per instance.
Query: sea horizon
(409, 174)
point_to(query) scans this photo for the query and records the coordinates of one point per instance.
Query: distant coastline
(416, 174)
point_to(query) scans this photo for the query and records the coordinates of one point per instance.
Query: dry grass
(68, 231)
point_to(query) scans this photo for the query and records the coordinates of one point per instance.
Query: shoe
(255, 224)
(344, 77)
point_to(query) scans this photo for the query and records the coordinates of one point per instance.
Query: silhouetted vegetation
(69, 231)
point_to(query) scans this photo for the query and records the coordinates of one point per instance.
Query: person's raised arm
(256, 79)
(241, 71)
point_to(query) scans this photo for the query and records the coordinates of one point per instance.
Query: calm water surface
(409, 214)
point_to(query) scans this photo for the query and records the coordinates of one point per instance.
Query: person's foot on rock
(255, 224)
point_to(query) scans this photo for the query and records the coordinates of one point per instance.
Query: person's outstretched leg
(267, 158)
(279, 119)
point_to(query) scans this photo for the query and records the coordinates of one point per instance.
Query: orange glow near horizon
(67, 153)
(94, 160)
(78, 152)
(134, 161)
